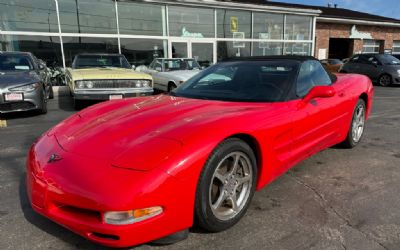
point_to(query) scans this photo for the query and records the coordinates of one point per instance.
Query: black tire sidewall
(204, 216)
(379, 80)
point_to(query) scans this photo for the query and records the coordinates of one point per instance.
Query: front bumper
(56, 192)
(104, 94)
(32, 101)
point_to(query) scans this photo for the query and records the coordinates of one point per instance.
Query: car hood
(181, 74)
(106, 73)
(146, 125)
(17, 78)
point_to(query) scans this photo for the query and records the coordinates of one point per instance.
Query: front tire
(171, 86)
(357, 126)
(226, 186)
(385, 80)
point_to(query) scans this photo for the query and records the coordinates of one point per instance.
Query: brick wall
(325, 31)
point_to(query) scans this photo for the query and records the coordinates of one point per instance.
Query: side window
(311, 74)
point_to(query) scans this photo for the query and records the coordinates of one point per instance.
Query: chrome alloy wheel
(358, 123)
(231, 185)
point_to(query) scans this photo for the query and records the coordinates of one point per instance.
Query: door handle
(342, 94)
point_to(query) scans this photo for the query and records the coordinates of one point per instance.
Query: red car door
(317, 123)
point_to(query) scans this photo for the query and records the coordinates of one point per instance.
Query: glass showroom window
(88, 16)
(268, 26)
(232, 23)
(233, 49)
(43, 47)
(141, 19)
(191, 22)
(371, 46)
(267, 48)
(25, 15)
(298, 27)
(301, 49)
(396, 47)
(76, 45)
(143, 51)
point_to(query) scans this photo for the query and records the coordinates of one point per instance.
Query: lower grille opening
(105, 236)
(79, 212)
(10, 106)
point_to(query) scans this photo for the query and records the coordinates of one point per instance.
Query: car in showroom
(105, 77)
(332, 65)
(24, 83)
(382, 68)
(126, 172)
(170, 73)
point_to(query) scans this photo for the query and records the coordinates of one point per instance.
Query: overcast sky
(389, 8)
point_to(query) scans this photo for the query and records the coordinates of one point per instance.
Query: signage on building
(355, 34)
(186, 33)
(238, 36)
(263, 44)
(234, 24)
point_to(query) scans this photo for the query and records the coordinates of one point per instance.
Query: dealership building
(208, 30)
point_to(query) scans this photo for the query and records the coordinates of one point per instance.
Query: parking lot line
(3, 123)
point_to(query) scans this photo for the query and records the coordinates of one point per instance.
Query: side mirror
(375, 63)
(318, 92)
(41, 66)
(133, 67)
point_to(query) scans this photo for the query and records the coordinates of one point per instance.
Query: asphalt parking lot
(338, 199)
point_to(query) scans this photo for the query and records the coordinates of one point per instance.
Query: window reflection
(298, 27)
(230, 49)
(143, 51)
(268, 26)
(23, 15)
(302, 49)
(141, 19)
(77, 45)
(88, 16)
(191, 22)
(267, 48)
(43, 47)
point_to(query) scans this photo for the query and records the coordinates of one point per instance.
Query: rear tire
(357, 126)
(43, 108)
(78, 104)
(226, 186)
(385, 80)
(171, 86)
(51, 92)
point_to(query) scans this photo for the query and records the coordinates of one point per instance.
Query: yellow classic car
(105, 77)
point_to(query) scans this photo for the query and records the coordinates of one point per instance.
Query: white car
(169, 73)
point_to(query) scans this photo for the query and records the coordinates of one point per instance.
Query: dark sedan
(383, 68)
(24, 83)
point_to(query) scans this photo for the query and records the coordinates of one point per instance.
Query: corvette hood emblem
(54, 158)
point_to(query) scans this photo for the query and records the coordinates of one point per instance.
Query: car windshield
(15, 62)
(100, 61)
(180, 64)
(242, 81)
(388, 59)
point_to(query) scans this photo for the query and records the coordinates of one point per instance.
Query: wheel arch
(254, 145)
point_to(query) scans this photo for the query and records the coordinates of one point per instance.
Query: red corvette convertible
(130, 171)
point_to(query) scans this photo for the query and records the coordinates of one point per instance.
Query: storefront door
(203, 51)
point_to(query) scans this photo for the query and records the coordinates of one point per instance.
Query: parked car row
(383, 69)
(91, 77)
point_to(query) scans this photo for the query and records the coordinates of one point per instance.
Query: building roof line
(322, 19)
